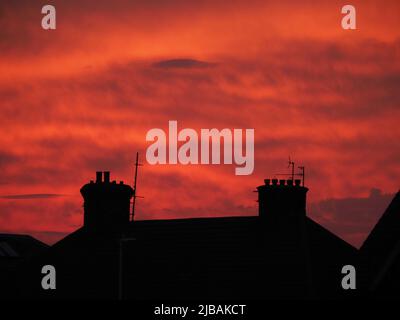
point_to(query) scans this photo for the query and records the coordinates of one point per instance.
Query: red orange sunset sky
(82, 97)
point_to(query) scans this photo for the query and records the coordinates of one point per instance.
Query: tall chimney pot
(106, 176)
(99, 176)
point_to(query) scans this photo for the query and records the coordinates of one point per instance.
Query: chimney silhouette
(282, 202)
(106, 204)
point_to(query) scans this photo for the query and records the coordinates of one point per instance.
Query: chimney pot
(297, 182)
(284, 205)
(99, 176)
(106, 176)
(267, 182)
(106, 207)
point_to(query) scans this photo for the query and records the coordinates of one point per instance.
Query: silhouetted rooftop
(15, 250)
(19, 245)
(380, 252)
(203, 257)
(281, 253)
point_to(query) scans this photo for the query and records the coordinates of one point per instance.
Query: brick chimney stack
(282, 201)
(106, 203)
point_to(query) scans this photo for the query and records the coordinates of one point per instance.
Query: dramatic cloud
(182, 63)
(82, 98)
(31, 196)
(351, 218)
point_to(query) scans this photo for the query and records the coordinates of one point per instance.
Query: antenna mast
(291, 163)
(137, 164)
(302, 173)
(292, 174)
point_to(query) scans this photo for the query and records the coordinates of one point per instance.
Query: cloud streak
(182, 63)
(32, 196)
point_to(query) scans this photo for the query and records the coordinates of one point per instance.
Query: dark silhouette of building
(15, 251)
(281, 253)
(380, 255)
(106, 203)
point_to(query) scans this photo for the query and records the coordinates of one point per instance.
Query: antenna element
(137, 164)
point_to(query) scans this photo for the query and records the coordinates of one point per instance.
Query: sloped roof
(19, 246)
(381, 250)
(15, 250)
(203, 257)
